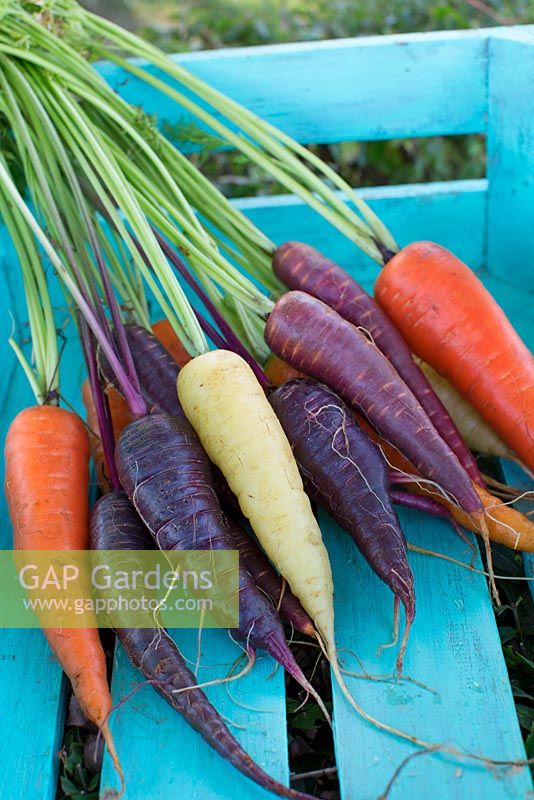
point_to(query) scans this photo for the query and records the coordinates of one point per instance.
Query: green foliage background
(192, 25)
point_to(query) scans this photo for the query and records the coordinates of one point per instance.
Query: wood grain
(510, 145)
(367, 88)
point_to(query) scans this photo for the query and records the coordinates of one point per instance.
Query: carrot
(345, 472)
(165, 333)
(313, 338)
(245, 440)
(505, 524)
(120, 416)
(156, 370)
(302, 267)
(268, 581)
(474, 429)
(46, 484)
(279, 371)
(167, 476)
(115, 525)
(241, 434)
(452, 322)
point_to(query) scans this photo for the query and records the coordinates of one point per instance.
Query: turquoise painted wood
(510, 148)
(455, 650)
(166, 758)
(368, 88)
(365, 89)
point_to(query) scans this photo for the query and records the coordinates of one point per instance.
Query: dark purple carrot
(316, 340)
(269, 581)
(156, 369)
(115, 525)
(418, 502)
(167, 476)
(346, 473)
(300, 266)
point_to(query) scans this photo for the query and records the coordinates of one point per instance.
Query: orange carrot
(279, 371)
(46, 485)
(120, 416)
(452, 322)
(163, 330)
(505, 525)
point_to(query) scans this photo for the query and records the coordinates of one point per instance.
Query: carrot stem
(233, 343)
(103, 414)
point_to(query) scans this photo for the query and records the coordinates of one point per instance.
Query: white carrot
(476, 432)
(241, 434)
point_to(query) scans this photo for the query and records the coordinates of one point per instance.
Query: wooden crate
(374, 88)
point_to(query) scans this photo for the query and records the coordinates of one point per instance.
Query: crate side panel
(510, 156)
(163, 757)
(454, 650)
(374, 88)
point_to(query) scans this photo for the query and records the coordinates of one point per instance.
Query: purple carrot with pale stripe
(316, 340)
(300, 266)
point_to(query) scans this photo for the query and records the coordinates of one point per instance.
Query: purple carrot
(426, 505)
(158, 371)
(300, 266)
(346, 473)
(116, 526)
(156, 368)
(316, 340)
(167, 476)
(418, 503)
(269, 581)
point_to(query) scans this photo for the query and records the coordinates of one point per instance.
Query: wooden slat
(515, 476)
(454, 648)
(164, 758)
(368, 88)
(510, 148)
(451, 213)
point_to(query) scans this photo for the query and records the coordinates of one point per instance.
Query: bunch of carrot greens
(355, 423)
